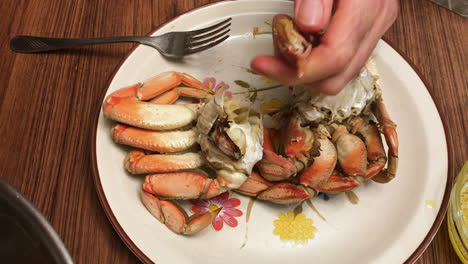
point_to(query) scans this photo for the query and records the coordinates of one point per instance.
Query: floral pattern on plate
(226, 215)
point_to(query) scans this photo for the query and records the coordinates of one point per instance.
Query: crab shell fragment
(234, 148)
(290, 43)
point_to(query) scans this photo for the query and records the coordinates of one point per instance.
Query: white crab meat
(351, 101)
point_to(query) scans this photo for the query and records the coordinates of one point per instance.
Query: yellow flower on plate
(266, 79)
(292, 227)
(273, 104)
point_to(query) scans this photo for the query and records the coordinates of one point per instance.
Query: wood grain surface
(47, 102)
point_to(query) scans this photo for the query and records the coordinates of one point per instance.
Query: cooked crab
(167, 142)
(331, 143)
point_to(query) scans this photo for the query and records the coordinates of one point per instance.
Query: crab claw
(175, 217)
(289, 43)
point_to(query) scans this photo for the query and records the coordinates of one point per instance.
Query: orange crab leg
(298, 140)
(166, 81)
(374, 145)
(171, 96)
(339, 184)
(193, 82)
(274, 167)
(136, 162)
(148, 115)
(168, 97)
(158, 85)
(175, 217)
(160, 141)
(352, 153)
(267, 139)
(322, 167)
(126, 92)
(285, 193)
(391, 137)
(182, 185)
(254, 185)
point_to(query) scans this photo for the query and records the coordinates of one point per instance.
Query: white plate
(388, 225)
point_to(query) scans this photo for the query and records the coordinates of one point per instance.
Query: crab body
(332, 144)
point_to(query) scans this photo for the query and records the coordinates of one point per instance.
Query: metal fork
(172, 44)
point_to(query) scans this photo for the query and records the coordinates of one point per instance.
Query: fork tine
(203, 30)
(204, 41)
(207, 46)
(210, 33)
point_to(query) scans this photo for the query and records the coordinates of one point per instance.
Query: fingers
(312, 16)
(340, 42)
(351, 36)
(334, 84)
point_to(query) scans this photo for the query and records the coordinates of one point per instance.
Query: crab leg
(171, 96)
(159, 141)
(136, 162)
(165, 81)
(339, 184)
(280, 193)
(352, 153)
(254, 185)
(127, 106)
(319, 171)
(183, 185)
(148, 115)
(274, 167)
(175, 217)
(391, 137)
(375, 150)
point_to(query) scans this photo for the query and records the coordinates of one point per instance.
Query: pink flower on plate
(227, 214)
(211, 84)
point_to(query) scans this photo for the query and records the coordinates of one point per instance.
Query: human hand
(352, 34)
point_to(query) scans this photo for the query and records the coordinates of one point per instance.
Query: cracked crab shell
(244, 128)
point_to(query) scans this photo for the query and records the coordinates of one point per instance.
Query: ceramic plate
(392, 223)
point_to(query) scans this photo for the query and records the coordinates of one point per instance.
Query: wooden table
(49, 100)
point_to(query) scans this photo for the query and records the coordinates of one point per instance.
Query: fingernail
(309, 12)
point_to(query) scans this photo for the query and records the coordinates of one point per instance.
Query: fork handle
(28, 44)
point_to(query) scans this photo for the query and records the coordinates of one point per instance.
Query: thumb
(312, 16)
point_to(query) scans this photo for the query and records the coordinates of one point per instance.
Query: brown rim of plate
(123, 235)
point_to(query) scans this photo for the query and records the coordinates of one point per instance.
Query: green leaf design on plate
(242, 84)
(253, 97)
